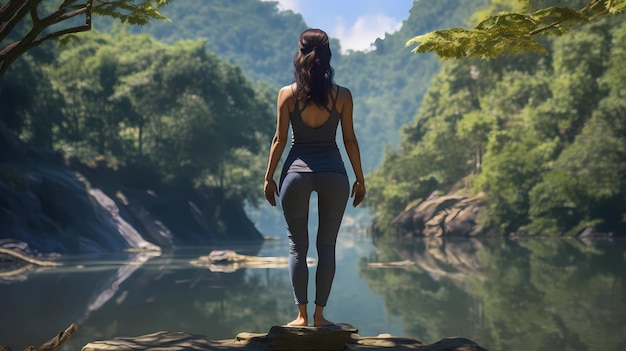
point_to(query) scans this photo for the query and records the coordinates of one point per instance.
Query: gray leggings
(332, 190)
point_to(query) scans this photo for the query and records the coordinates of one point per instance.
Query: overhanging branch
(15, 11)
(10, 53)
(585, 11)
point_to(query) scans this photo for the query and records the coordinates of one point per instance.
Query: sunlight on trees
(514, 30)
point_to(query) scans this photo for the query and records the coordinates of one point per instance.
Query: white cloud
(287, 5)
(354, 34)
(362, 34)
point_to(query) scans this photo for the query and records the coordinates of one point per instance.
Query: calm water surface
(534, 294)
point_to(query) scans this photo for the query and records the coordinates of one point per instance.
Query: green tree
(214, 113)
(177, 110)
(32, 111)
(433, 154)
(17, 95)
(586, 186)
(87, 77)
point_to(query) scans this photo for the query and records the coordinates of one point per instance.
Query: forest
(134, 101)
(542, 136)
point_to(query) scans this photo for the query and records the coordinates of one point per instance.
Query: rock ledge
(339, 337)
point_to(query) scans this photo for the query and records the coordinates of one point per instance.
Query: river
(526, 294)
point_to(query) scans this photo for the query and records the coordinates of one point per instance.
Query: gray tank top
(314, 149)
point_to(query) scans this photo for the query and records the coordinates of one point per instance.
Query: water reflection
(136, 294)
(506, 295)
(503, 294)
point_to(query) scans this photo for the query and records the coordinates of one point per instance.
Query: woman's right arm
(278, 144)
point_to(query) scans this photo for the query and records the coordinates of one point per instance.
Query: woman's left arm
(351, 144)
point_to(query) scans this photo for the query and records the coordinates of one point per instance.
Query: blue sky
(356, 23)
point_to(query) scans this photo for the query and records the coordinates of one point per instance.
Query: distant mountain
(253, 34)
(387, 83)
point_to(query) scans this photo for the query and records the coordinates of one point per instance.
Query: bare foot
(321, 322)
(299, 322)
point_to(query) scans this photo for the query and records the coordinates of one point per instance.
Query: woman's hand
(358, 192)
(270, 190)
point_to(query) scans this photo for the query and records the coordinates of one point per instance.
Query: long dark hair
(312, 71)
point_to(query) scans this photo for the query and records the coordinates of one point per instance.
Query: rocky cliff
(61, 207)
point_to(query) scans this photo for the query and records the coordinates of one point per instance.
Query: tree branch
(603, 12)
(543, 29)
(134, 12)
(16, 10)
(589, 7)
(9, 54)
(28, 259)
(55, 35)
(66, 3)
(57, 17)
(34, 16)
(56, 342)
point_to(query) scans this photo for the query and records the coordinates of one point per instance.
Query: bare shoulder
(288, 89)
(344, 93)
(286, 95)
(344, 97)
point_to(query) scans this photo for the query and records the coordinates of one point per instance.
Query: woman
(314, 106)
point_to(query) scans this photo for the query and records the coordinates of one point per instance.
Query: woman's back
(315, 116)
(313, 123)
(314, 147)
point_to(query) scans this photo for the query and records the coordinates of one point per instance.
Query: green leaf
(132, 12)
(616, 6)
(66, 39)
(516, 22)
(449, 43)
(559, 14)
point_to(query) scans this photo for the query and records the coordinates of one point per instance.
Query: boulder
(449, 215)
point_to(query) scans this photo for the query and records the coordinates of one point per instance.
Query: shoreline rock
(228, 261)
(449, 215)
(338, 337)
